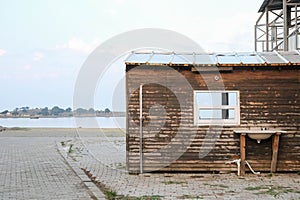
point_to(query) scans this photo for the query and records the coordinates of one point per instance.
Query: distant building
(277, 28)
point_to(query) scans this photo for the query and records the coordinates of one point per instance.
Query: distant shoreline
(117, 114)
(57, 112)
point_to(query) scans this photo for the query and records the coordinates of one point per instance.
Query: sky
(43, 44)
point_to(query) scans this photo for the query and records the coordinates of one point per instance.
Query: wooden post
(275, 146)
(141, 128)
(243, 152)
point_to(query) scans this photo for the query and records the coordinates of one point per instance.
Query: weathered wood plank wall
(269, 97)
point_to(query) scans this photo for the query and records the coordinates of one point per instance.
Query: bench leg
(275, 146)
(243, 153)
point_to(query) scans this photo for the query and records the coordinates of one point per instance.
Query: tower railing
(278, 29)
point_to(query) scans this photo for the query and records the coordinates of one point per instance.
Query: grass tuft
(269, 175)
(154, 197)
(186, 196)
(261, 187)
(173, 182)
(111, 195)
(274, 191)
(217, 185)
(70, 148)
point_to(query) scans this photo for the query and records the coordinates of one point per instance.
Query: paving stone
(31, 168)
(176, 186)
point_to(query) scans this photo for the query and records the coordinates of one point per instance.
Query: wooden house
(186, 112)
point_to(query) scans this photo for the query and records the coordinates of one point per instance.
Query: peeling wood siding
(268, 98)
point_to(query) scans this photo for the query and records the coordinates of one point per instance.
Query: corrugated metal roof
(217, 59)
(208, 59)
(274, 4)
(228, 59)
(182, 59)
(273, 58)
(250, 58)
(292, 57)
(158, 58)
(138, 57)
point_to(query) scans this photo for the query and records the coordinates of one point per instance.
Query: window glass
(232, 98)
(209, 99)
(214, 106)
(210, 114)
(231, 114)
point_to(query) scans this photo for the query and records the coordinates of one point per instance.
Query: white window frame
(221, 122)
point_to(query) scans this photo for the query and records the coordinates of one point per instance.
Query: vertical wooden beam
(243, 153)
(275, 146)
(127, 121)
(141, 128)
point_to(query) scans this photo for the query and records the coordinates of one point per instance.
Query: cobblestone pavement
(32, 168)
(104, 158)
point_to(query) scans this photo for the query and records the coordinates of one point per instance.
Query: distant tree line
(55, 112)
